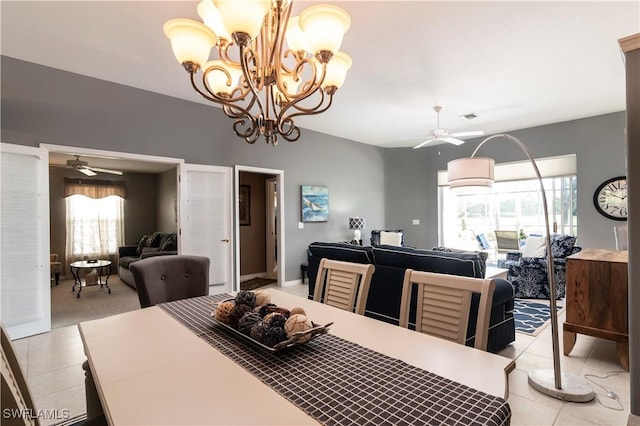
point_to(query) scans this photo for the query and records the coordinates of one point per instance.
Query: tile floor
(52, 362)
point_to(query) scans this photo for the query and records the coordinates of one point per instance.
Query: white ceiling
(514, 64)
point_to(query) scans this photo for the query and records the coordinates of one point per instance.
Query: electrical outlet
(416, 221)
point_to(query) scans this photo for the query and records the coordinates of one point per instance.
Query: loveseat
(156, 244)
(385, 291)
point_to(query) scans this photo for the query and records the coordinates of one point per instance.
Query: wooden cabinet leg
(569, 340)
(623, 354)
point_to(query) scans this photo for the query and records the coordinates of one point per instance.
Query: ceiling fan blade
(420, 145)
(467, 134)
(113, 172)
(452, 140)
(86, 171)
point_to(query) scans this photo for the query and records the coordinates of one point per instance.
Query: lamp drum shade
(471, 171)
(356, 223)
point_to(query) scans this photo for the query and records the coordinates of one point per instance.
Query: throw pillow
(562, 245)
(535, 247)
(145, 241)
(390, 238)
(169, 242)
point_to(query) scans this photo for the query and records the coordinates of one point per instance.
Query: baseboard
(292, 282)
(633, 420)
(252, 276)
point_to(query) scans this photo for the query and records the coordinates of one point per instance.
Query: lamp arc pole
(574, 389)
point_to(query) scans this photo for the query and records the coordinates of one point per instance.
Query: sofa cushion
(126, 261)
(342, 251)
(464, 264)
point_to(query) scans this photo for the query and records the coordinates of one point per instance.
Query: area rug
(254, 283)
(532, 317)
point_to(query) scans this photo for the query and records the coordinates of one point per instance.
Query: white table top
(150, 369)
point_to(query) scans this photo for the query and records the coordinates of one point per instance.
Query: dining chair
(16, 396)
(167, 278)
(444, 305)
(507, 241)
(344, 285)
(621, 233)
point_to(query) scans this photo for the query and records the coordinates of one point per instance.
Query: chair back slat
(343, 285)
(444, 305)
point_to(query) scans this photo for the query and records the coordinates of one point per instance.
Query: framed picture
(315, 203)
(244, 205)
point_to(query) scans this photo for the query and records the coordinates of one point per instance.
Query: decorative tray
(292, 339)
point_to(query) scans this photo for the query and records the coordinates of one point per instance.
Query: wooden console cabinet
(597, 299)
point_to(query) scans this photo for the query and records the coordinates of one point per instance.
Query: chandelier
(261, 84)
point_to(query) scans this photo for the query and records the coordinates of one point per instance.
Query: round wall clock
(610, 198)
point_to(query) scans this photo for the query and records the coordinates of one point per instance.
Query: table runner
(339, 382)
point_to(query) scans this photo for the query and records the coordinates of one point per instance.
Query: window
(94, 223)
(514, 204)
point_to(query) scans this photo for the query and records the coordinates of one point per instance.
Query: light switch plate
(300, 225)
(416, 221)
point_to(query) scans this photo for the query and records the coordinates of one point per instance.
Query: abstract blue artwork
(315, 203)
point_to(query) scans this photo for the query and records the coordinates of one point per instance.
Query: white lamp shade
(337, 69)
(473, 171)
(296, 39)
(218, 81)
(191, 40)
(212, 19)
(324, 26)
(245, 16)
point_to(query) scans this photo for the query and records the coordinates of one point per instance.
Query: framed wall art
(315, 203)
(244, 205)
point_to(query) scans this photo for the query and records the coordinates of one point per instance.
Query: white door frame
(279, 174)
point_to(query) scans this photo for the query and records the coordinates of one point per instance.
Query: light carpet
(94, 302)
(533, 317)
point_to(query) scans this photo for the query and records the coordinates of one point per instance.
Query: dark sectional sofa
(156, 244)
(391, 262)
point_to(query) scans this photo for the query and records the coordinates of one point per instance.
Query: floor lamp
(478, 172)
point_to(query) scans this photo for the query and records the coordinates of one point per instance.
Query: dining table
(174, 364)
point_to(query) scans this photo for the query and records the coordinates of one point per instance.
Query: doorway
(259, 233)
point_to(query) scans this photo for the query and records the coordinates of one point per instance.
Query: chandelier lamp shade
(477, 171)
(268, 67)
(357, 224)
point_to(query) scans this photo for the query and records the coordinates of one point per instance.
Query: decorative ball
(262, 298)
(264, 309)
(246, 298)
(248, 320)
(237, 313)
(274, 319)
(274, 335)
(224, 311)
(297, 323)
(297, 310)
(258, 331)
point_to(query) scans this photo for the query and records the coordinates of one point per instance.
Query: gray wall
(167, 201)
(599, 145)
(44, 105)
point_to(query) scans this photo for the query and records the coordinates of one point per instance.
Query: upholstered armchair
(529, 275)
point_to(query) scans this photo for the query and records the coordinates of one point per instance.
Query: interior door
(205, 218)
(25, 292)
(271, 228)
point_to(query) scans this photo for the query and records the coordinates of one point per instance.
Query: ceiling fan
(443, 135)
(83, 167)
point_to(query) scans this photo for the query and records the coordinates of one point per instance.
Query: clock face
(610, 198)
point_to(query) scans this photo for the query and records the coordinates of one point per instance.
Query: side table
(597, 299)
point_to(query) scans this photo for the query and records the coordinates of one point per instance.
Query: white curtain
(95, 227)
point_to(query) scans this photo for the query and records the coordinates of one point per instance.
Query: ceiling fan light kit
(84, 167)
(261, 84)
(440, 134)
